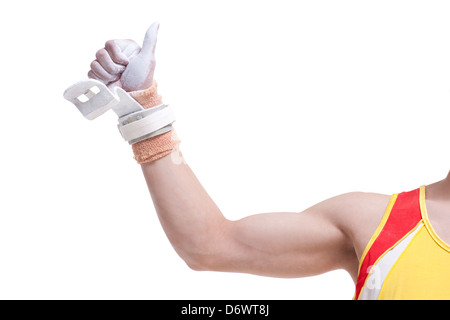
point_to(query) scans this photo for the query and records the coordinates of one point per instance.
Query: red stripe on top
(404, 216)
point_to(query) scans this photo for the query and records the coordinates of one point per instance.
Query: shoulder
(352, 204)
(362, 216)
(357, 214)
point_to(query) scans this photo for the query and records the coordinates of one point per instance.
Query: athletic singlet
(405, 258)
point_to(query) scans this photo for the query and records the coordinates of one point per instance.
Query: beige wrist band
(157, 147)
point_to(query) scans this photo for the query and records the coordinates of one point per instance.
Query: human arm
(285, 244)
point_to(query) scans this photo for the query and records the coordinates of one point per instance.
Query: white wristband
(93, 98)
(145, 124)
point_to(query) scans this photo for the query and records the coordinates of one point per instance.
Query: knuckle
(93, 64)
(101, 54)
(109, 44)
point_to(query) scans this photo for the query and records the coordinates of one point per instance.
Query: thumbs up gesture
(125, 64)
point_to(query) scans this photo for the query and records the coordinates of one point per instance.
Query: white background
(280, 105)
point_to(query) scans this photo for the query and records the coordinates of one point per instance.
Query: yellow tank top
(405, 258)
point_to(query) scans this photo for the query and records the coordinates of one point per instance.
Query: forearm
(190, 218)
(199, 232)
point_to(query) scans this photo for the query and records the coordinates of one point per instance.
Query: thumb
(149, 45)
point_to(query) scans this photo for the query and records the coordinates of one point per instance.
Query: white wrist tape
(93, 98)
(145, 124)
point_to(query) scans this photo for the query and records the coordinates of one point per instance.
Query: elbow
(207, 259)
(207, 253)
(196, 266)
(192, 261)
(202, 262)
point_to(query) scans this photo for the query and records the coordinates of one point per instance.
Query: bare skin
(328, 236)
(438, 207)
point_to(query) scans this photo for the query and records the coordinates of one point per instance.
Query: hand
(123, 63)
